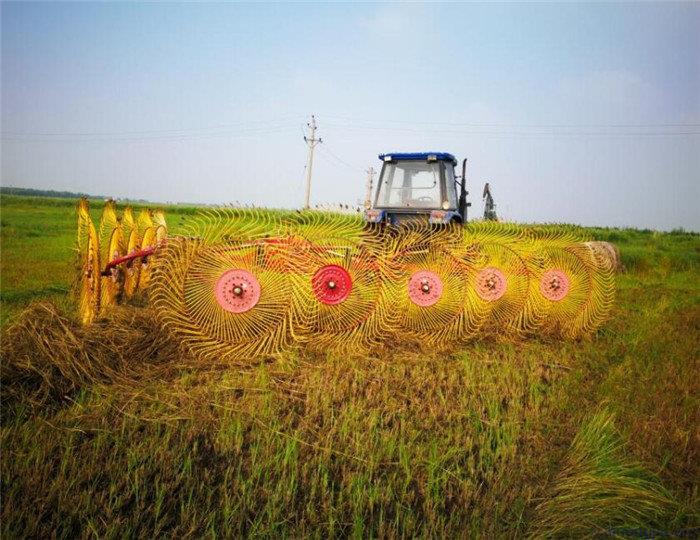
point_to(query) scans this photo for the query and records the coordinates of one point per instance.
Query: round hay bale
(607, 253)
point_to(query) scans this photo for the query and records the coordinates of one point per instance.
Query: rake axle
(138, 254)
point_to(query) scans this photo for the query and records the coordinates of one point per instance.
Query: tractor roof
(418, 156)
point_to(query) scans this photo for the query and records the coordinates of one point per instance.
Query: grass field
(113, 431)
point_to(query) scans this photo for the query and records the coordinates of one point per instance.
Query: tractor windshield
(409, 184)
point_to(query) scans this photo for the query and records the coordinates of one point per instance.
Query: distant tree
(30, 192)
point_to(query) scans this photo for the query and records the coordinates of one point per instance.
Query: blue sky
(584, 113)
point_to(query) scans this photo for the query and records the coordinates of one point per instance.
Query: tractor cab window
(409, 184)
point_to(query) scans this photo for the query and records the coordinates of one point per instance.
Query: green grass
(107, 431)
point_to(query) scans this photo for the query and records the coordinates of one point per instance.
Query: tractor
(420, 186)
(423, 187)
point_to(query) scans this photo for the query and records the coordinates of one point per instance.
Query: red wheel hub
(554, 285)
(424, 288)
(237, 291)
(490, 284)
(331, 284)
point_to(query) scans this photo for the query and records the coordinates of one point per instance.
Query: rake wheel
(500, 287)
(84, 223)
(112, 283)
(575, 290)
(158, 217)
(428, 287)
(500, 282)
(161, 234)
(128, 221)
(338, 296)
(90, 279)
(132, 270)
(144, 220)
(335, 267)
(149, 240)
(227, 302)
(108, 223)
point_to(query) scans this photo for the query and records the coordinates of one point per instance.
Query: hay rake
(111, 259)
(244, 283)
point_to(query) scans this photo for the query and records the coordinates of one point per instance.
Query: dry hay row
(47, 357)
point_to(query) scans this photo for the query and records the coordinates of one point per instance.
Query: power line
(339, 160)
(517, 125)
(326, 158)
(504, 132)
(257, 124)
(353, 124)
(173, 137)
(267, 127)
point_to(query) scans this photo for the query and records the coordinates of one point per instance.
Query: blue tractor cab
(419, 186)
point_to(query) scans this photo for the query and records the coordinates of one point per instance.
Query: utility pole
(312, 141)
(370, 183)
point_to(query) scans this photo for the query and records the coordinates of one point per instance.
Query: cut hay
(601, 491)
(47, 356)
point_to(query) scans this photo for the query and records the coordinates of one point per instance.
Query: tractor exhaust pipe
(463, 204)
